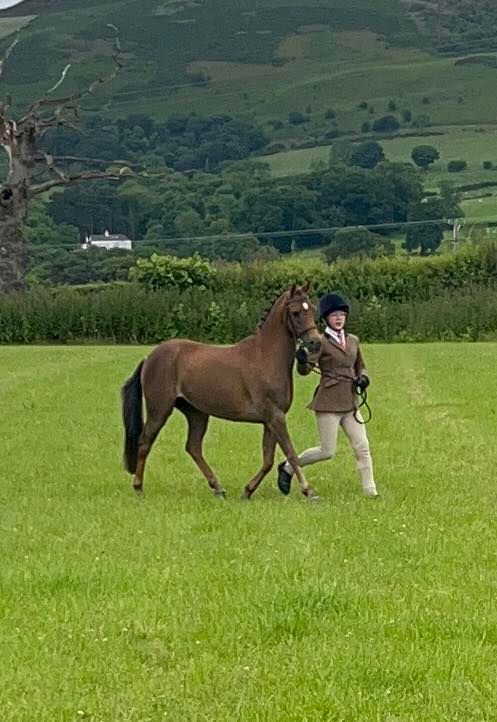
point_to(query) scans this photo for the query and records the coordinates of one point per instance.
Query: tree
(367, 155)
(22, 140)
(407, 115)
(456, 166)
(366, 197)
(340, 152)
(189, 223)
(421, 121)
(285, 206)
(424, 155)
(426, 237)
(41, 229)
(386, 124)
(296, 118)
(348, 243)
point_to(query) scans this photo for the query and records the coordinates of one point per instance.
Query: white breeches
(328, 426)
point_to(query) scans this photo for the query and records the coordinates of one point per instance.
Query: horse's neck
(274, 340)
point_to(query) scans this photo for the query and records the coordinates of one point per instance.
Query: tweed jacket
(339, 367)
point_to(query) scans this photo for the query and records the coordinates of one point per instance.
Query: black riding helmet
(332, 302)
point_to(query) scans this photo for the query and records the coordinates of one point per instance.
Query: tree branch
(4, 106)
(86, 175)
(62, 103)
(97, 161)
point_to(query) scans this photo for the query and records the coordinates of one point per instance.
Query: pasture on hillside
(262, 59)
(474, 145)
(178, 606)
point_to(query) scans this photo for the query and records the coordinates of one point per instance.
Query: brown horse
(249, 381)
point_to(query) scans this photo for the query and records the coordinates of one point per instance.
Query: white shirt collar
(338, 336)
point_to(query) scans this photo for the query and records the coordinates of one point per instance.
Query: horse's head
(300, 315)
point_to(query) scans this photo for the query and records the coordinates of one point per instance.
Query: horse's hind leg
(156, 418)
(197, 426)
(268, 449)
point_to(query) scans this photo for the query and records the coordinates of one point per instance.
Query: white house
(108, 241)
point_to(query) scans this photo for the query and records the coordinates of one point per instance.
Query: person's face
(336, 320)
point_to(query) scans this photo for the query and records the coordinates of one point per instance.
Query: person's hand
(362, 382)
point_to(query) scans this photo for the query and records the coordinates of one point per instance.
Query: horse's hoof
(246, 496)
(220, 493)
(311, 495)
(138, 490)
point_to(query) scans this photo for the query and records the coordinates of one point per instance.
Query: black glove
(301, 356)
(361, 383)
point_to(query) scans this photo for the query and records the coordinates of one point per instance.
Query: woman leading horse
(335, 402)
(250, 381)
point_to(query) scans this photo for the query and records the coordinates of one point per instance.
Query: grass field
(474, 145)
(13, 25)
(180, 607)
(484, 209)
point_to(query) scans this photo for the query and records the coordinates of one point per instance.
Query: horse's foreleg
(268, 449)
(156, 418)
(197, 426)
(279, 428)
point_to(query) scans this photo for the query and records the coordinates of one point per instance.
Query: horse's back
(215, 379)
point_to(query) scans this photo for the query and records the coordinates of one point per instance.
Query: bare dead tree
(21, 140)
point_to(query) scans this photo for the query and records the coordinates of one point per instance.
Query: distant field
(184, 608)
(468, 144)
(12, 25)
(484, 209)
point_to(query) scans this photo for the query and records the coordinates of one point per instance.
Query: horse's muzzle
(312, 345)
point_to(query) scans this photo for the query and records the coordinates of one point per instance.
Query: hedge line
(393, 299)
(394, 279)
(131, 314)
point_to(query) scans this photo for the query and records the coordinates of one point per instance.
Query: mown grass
(179, 607)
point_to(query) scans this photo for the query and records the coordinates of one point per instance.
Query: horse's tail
(132, 418)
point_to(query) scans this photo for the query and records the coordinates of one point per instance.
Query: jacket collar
(335, 343)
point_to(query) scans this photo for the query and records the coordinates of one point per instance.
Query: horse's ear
(292, 290)
(307, 287)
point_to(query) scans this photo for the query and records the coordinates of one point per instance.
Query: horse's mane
(267, 311)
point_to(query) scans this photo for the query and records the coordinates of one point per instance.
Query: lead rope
(363, 395)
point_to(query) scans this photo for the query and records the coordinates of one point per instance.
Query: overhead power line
(285, 234)
(302, 232)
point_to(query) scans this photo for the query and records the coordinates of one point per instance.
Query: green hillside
(261, 59)
(305, 71)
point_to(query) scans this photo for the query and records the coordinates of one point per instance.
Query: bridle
(298, 336)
